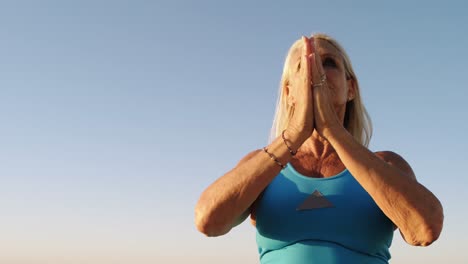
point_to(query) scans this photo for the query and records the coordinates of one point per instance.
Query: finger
(318, 65)
(312, 44)
(318, 74)
(311, 58)
(308, 45)
(306, 62)
(315, 70)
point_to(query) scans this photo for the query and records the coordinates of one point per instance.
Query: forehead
(323, 47)
(326, 48)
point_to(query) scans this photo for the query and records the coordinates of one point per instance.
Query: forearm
(229, 197)
(412, 208)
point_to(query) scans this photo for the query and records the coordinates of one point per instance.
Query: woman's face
(341, 89)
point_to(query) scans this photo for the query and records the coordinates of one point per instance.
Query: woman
(316, 194)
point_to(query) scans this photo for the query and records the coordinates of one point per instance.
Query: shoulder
(397, 161)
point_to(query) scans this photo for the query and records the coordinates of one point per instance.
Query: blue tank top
(304, 220)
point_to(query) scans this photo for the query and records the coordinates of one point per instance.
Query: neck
(317, 158)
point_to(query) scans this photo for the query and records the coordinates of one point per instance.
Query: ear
(289, 97)
(351, 89)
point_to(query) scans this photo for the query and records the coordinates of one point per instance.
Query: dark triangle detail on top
(315, 201)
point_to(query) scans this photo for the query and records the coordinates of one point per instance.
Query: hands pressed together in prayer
(309, 94)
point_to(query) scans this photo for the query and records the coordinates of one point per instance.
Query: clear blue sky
(115, 115)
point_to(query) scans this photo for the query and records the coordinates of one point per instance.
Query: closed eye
(329, 62)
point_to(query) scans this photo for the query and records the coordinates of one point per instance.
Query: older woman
(316, 194)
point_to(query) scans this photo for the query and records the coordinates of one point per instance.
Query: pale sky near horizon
(115, 115)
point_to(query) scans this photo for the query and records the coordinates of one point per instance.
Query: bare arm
(226, 202)
(387, 177)
(390, 181)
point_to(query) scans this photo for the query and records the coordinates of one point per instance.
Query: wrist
(294, 139)
(335, 134)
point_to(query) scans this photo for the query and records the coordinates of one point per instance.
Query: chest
(318, 168)
(353, 215)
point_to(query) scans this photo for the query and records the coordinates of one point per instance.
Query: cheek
(337, 85)
(334, 78)
(332, 74)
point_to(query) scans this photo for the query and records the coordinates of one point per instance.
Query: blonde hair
(357, 121)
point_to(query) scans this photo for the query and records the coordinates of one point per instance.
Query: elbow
(206, 223)
(432, 236)
(434, 228)
(428, 234)
(425, 239)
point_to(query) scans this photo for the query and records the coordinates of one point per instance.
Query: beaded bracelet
(273, 158)
(293, 153)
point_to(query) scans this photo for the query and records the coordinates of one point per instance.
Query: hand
(325, 117)
(300, 94)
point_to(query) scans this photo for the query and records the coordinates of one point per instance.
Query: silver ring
(318, 85)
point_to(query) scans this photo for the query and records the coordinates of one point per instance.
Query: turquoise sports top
(304, 220)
